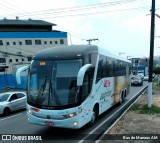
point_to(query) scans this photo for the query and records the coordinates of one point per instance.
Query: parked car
(12, 101)
(153, 75)
(140, 76)
(146, 77)
(133, 76)
(137, 81)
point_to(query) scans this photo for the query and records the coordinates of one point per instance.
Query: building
(19, 40)
(139, 65)
(142, 64)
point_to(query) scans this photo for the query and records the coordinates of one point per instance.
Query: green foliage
(156, 85)
(144, 109)
(156, 70)
(150, 110)
(136, 107)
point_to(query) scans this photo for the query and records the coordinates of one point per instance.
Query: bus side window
(109, 65)
(99, 71)
(102, 68)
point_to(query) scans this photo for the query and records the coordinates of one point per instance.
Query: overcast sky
(122, 26)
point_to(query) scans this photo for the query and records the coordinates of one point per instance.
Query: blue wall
(33, 35)
(12, 82)
(142, 68)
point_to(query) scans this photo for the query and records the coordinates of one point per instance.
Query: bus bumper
(42, 119)
(72, 123)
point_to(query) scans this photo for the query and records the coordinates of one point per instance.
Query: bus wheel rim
(93, 117)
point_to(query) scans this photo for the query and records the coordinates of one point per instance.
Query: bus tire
(121, 98)
(94, 116)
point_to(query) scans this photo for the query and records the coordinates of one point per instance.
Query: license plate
(49, 123)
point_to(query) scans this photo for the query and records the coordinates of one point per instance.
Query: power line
(74, 9)
(93, 13)
(22, 49)
(97, 12)
(13, 5)
(80, 8)
(14, 54)
(73, 33)
(8, 8)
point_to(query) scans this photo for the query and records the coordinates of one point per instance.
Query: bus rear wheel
(122, 98)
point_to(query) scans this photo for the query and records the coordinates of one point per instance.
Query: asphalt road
(17, 123)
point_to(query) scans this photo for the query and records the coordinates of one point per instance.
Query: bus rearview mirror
(81, 74)
(18, 73)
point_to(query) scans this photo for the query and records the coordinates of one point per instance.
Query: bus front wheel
(94, 116)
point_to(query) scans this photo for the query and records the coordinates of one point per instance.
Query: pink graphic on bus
(106, 83)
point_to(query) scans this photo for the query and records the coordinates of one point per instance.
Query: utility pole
(89, 41)
(151, 54)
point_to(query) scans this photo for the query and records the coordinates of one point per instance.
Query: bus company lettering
(106, 83)
(105, 94)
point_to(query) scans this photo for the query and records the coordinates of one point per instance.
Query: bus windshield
(53, 84)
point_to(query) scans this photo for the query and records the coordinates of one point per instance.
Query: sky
(121, 26)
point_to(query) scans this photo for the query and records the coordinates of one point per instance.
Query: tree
(156, 70)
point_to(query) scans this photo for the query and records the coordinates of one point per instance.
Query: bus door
(84, 81)
(87, 84)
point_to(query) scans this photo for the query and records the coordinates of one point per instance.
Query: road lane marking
(81, 141)
(10, 117)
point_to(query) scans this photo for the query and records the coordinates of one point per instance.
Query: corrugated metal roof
(28, 22)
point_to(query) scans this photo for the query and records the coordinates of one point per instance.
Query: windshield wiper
(40, 99)
(54, 95)
(42, 88)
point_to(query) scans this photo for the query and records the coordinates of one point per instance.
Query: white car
(137, 81)
(139, 76)
(12, 101)
(146, 77)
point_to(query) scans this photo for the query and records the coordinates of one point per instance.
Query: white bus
(69, 86)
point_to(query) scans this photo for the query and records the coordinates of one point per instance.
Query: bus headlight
(70, 115)
(73, 114)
